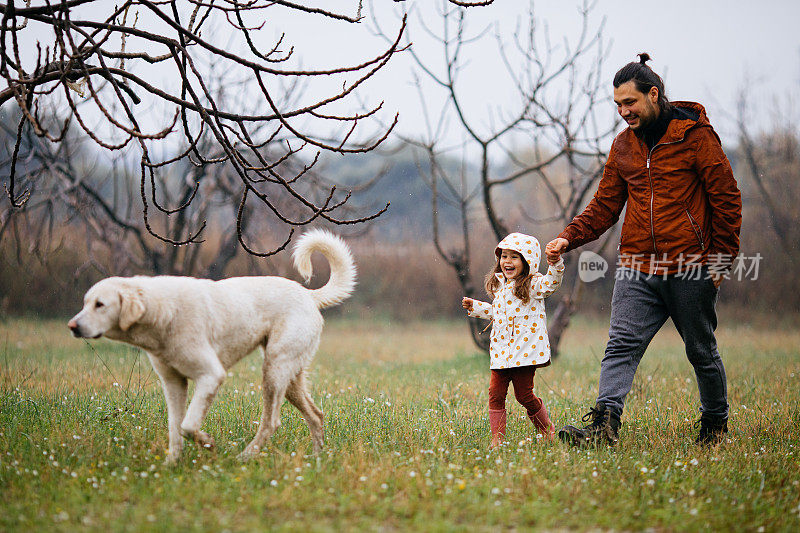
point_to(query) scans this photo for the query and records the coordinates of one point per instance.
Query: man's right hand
(555, 248)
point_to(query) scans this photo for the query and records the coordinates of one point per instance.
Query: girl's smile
(511, 263)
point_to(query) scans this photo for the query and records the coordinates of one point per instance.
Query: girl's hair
(522, 283)
(644, 78)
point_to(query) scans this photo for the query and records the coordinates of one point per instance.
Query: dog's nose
(73, 326)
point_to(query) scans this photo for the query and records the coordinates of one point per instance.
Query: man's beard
(646, 120)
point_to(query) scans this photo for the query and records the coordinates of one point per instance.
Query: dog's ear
(131, 307)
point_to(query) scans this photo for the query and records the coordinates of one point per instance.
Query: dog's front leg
(175, 393)
(206, 386)
(174, 386)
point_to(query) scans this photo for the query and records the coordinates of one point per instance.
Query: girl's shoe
(542, 423)
(497, 423)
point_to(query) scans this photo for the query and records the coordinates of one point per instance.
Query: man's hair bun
(644, 77)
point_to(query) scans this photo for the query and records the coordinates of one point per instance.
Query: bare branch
(558, 90)
(108, 51)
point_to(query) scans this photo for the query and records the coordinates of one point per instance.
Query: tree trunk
(481, 332)
(559, 324)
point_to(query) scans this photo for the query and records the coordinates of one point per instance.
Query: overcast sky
(706, 50)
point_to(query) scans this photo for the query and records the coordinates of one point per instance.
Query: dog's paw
(172, 459)
(205, 440)
(249, 453)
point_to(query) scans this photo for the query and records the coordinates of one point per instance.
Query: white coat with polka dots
(519, 330)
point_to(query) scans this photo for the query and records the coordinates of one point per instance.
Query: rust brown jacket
(683, 204)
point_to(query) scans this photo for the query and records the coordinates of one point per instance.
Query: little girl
(519, 329)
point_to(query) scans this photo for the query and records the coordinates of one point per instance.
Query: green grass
(83, 436)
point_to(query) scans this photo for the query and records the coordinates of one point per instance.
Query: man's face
(638, 109)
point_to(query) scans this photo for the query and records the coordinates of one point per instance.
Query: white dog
(197, 329)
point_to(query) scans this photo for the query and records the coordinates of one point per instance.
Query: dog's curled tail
(343, 268)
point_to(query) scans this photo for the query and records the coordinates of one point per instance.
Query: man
(680, 236)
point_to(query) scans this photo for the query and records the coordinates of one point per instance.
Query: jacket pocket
(696, 228)
(519, 322)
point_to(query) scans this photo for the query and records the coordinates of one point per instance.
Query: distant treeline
(400, 275)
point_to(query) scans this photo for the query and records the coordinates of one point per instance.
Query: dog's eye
(98, 305)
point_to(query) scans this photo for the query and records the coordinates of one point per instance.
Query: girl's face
(511, 263)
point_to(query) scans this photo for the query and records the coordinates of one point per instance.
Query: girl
(519, 333)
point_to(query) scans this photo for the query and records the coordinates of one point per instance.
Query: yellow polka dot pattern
(519, 331)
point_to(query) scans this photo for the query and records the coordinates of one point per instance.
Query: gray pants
(639, 307)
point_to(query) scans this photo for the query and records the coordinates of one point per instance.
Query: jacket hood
(686, 115)
(526, 245)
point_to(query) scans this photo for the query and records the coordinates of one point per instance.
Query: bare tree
(559, 87)
(110, 53)
(88, 198)
(82, 194)
(31, 230)
(772, 162)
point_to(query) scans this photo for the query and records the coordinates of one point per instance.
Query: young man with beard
(679, 237)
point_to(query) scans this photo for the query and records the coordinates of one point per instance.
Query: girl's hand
(466, 303)
(554, 249)
(553, 261)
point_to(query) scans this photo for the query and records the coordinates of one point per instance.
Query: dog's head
(113, 303)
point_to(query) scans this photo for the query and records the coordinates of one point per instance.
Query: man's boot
(712, 430)
(542, 423)
(497, 423)
(603, 428)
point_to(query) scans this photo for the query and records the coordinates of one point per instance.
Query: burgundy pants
(522, 378)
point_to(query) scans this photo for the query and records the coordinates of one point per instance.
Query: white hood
(526, 245)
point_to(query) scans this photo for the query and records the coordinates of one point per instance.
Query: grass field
(83, 436)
